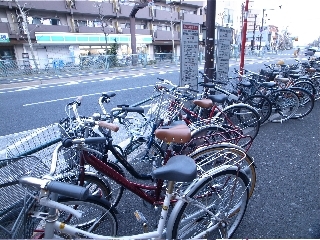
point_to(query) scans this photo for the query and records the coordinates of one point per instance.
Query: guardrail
(82, 64)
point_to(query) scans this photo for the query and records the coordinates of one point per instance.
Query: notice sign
(189, 52)
(223, 53)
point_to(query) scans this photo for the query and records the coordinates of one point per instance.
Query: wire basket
(211, 160)
(34, 142)
(168, 107)
(15, 203)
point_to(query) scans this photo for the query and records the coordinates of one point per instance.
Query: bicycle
(16, 205)
(229, 183)
(240, 95)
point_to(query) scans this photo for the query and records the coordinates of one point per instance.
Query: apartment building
(63, 28)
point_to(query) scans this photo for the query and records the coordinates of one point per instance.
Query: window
(97, 24)
(140, 26)
(81, 23)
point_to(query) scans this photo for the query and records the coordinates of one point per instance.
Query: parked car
(317, 54)
(310, 51)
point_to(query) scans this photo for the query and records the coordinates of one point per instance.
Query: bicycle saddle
(175, 134)
(179, 168)
(284, 80)
(203, 103)
(218, 98)
(245, 84)
(268, 84)
(208, 102)
(311, 70)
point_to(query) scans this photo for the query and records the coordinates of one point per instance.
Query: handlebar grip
(67, 142)
(65, 189)
(133, 109)
(68, 190)
(110, 126)
(108, 95)
(161, 79)
(93, 140)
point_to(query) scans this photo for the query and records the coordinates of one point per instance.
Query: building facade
(70, 28)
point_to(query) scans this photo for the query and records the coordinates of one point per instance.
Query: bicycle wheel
(223, 199)
(143, 155)
(307, 85)
(262, 104)
(285, 103)
(306, 102)
(316, 83)
(243, 119)
(97, 217)
(218, 154)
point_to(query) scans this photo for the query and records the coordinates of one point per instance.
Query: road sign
(223, 53)
(189, 52)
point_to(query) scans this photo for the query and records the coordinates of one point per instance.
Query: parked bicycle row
(187, 158)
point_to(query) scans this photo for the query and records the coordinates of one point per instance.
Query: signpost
(223, 53)
(189, 52)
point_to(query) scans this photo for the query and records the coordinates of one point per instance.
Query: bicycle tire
(306, 102)
(315, 80)
(100, 185)
(143, 155)
(197, 222)
(247, 164)
(243, 117)
(307, 85)
(285, 103)
(97, 217)
(262, 104)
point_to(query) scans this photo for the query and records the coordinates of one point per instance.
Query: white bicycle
(212, 206)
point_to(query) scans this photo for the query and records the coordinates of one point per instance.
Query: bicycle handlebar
(69, 142)
(62, 188)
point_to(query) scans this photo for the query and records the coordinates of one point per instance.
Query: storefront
(6, 49)
(94, 44)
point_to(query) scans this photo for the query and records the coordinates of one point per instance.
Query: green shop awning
(80, 38)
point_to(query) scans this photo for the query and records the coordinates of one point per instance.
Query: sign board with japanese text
(189, 52)
(224, 37)
(4, 37)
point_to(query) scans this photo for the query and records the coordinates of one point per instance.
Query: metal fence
(82, 64)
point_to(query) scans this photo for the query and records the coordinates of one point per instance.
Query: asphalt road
(34, 106)
(286, 201)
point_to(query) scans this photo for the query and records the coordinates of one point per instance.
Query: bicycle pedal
(139, 216)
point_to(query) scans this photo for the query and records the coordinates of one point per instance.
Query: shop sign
(4, 37)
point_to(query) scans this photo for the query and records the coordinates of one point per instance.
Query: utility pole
(254, 33)
(132, 16)
(172, 35)
(26, 30)
(244, 35)
(210, 39)
(261, 30)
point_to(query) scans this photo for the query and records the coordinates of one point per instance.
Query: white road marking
(86, 95)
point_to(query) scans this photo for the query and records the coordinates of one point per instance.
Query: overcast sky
(301, 17)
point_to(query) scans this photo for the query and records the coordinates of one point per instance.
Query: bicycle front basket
(15, 203)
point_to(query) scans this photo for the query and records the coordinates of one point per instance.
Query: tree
(105, 27)
(113, 60)
(24, 24)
